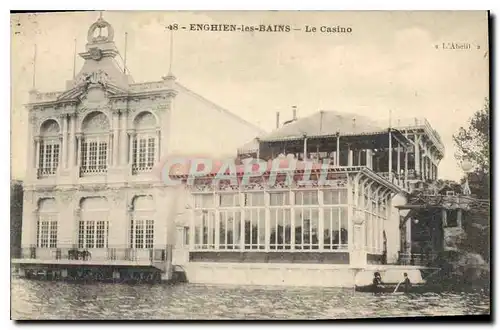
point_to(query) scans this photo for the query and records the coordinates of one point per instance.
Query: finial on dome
(100, 25)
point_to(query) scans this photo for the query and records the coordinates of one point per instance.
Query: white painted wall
(199, 126)
(392, 230)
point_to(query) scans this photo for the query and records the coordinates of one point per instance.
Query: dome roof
(325, 123)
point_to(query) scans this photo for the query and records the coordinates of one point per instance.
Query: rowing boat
(391, 287)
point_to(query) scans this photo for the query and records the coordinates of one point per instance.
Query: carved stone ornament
(65, 197)
(92, 188)
(96, 77)
(117, 195)
(95, 53)
(358, 217)
(28, 196)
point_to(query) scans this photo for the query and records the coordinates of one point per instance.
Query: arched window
(47, 224)
(142, 223)
(94, 145)
(144, 144)
(93, 227)
(48, 156)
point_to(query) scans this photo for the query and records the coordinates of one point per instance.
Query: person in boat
(377, 282)
(406, 283)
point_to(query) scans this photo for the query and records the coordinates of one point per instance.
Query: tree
(473, 143)
(16, 214)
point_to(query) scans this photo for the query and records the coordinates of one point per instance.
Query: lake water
(58, 300)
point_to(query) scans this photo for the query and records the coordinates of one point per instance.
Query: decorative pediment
(88, 81)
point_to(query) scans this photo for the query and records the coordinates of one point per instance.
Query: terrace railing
(94, 254)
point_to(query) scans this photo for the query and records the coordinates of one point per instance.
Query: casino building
(90, 196)
(93, 204)
(285, 232)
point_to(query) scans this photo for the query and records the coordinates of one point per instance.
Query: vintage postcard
(250, 165)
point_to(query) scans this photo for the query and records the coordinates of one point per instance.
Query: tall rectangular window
(47, 231)
(100, 232)
(149, 239)
(204, 201)
(90, 238)
(48, 161)
(255, 228)
(139, 234)
(309, 197)
(81, 234)
(229, 230)
(94, 155)
(142, 234)
(93, 234)
(306, 228)
(103, 152)
(53, 234)
(334, 196)
(281, 229)
(229, 199)
(44, 234)
(279, 198)
(335, 228)
(143, 153)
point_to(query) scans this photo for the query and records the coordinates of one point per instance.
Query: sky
(389, 63)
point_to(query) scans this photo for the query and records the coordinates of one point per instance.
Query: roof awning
(367, 140)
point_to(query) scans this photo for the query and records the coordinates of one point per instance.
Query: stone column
(116, 136)
(72, 141)
(64, 146)
(131, 138)
(124, 153)
(109, 157)
(157, 144)
(79, 142)
(60, 164)
(31, 148)
(37, 153)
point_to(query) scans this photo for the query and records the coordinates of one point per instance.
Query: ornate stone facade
(85, 144)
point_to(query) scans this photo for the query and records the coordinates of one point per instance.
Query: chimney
(354, 123)
(294, 110)
(277, 119)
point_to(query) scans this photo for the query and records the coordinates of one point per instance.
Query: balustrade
(94, 254)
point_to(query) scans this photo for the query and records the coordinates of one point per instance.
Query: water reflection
(57, 300)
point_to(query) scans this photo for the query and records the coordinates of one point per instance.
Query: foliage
(473, 143)
(16, 209)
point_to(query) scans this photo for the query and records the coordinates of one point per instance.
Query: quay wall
(294, 274)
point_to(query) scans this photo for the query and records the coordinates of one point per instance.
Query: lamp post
(466, 167)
